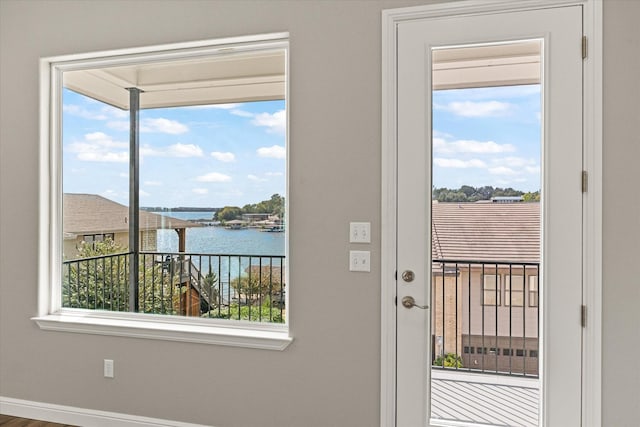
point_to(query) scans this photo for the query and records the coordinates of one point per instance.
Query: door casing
(592, 198)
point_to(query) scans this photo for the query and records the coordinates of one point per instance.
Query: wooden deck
(464, 399)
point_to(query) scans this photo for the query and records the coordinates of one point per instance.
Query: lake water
(218, 240)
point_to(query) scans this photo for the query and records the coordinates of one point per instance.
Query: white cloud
(144, 193)
(123, 175)
(103, 157)
(78, 111)
(104, 113)
(457, 163)
(255, 178)
(274, 174)
(212, 106)
(118, 125)
(176, 150)
(241, 113)
(502, 170)
(275, 123)
(200, 190)
(161, 125)
(153, 183)
(99, 147)
(274, 152)
(214, 177)
(223, 157)
(532, 169)
(477, 109)
(470, 146)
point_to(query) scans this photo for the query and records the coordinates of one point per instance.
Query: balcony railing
(485, 316)
(240, 287)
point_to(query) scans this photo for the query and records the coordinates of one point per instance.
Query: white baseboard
(80, 416)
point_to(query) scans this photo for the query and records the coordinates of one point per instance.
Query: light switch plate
(360, 261)
(360, 232)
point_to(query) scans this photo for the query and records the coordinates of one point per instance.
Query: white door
(560, 32)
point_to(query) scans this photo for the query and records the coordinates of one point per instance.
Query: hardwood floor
(9, 421)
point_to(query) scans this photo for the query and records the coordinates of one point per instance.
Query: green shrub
(450, 360)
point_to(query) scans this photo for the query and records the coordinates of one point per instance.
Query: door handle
(410, 302)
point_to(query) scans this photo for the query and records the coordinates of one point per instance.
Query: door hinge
(584, 47)
(583, 316)
(585, 181)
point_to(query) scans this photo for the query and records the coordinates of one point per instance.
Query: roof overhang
(260, 75)
(213, 79)
(490, 65)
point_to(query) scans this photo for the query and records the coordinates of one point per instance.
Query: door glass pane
(486, 162)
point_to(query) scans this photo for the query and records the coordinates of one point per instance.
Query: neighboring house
(485, 284)
(90, 218)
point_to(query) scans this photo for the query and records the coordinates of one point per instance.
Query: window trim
(51, 315)
(496, 292)
(533, 295)
(508, 295)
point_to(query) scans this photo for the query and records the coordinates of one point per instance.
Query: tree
(531, 197)
(99, 279)
(210, 285)
(259, 283)
(229, 213)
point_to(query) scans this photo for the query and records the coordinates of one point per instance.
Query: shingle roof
(486, 231)
(93, 214)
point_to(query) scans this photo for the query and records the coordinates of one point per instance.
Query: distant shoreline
(179, 209)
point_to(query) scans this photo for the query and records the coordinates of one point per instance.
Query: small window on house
(533, 353)
(169, 196)
(520, 352)
(491, 289)
(533, 291)
(507, 352)
(513, 290)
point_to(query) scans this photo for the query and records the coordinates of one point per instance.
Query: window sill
(201, 331)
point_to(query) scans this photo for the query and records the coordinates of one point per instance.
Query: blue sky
(487, 136)
(207, 156)
(234, 154)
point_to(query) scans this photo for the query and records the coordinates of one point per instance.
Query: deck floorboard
(480, 399)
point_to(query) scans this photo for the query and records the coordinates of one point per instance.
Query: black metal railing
(240, 287)
(485, 316)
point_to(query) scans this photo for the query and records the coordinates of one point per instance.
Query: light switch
(360, 232)
(360, 261)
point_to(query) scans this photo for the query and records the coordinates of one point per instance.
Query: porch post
(134, 202)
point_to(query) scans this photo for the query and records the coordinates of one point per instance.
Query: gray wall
(329, 376)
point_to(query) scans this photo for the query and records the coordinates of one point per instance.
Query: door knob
(408, 276)
(410, 302)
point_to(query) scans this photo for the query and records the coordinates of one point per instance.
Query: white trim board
(81, 416)
(592, 201)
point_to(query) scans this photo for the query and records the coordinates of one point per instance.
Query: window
(513, 290)
(507, 352)
(491, 289)
(160, 150)
(533, 291)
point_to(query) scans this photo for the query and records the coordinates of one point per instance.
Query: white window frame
(495, 292)
(508, 296)
(51, 314)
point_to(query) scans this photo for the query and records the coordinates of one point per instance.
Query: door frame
(592, 198)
